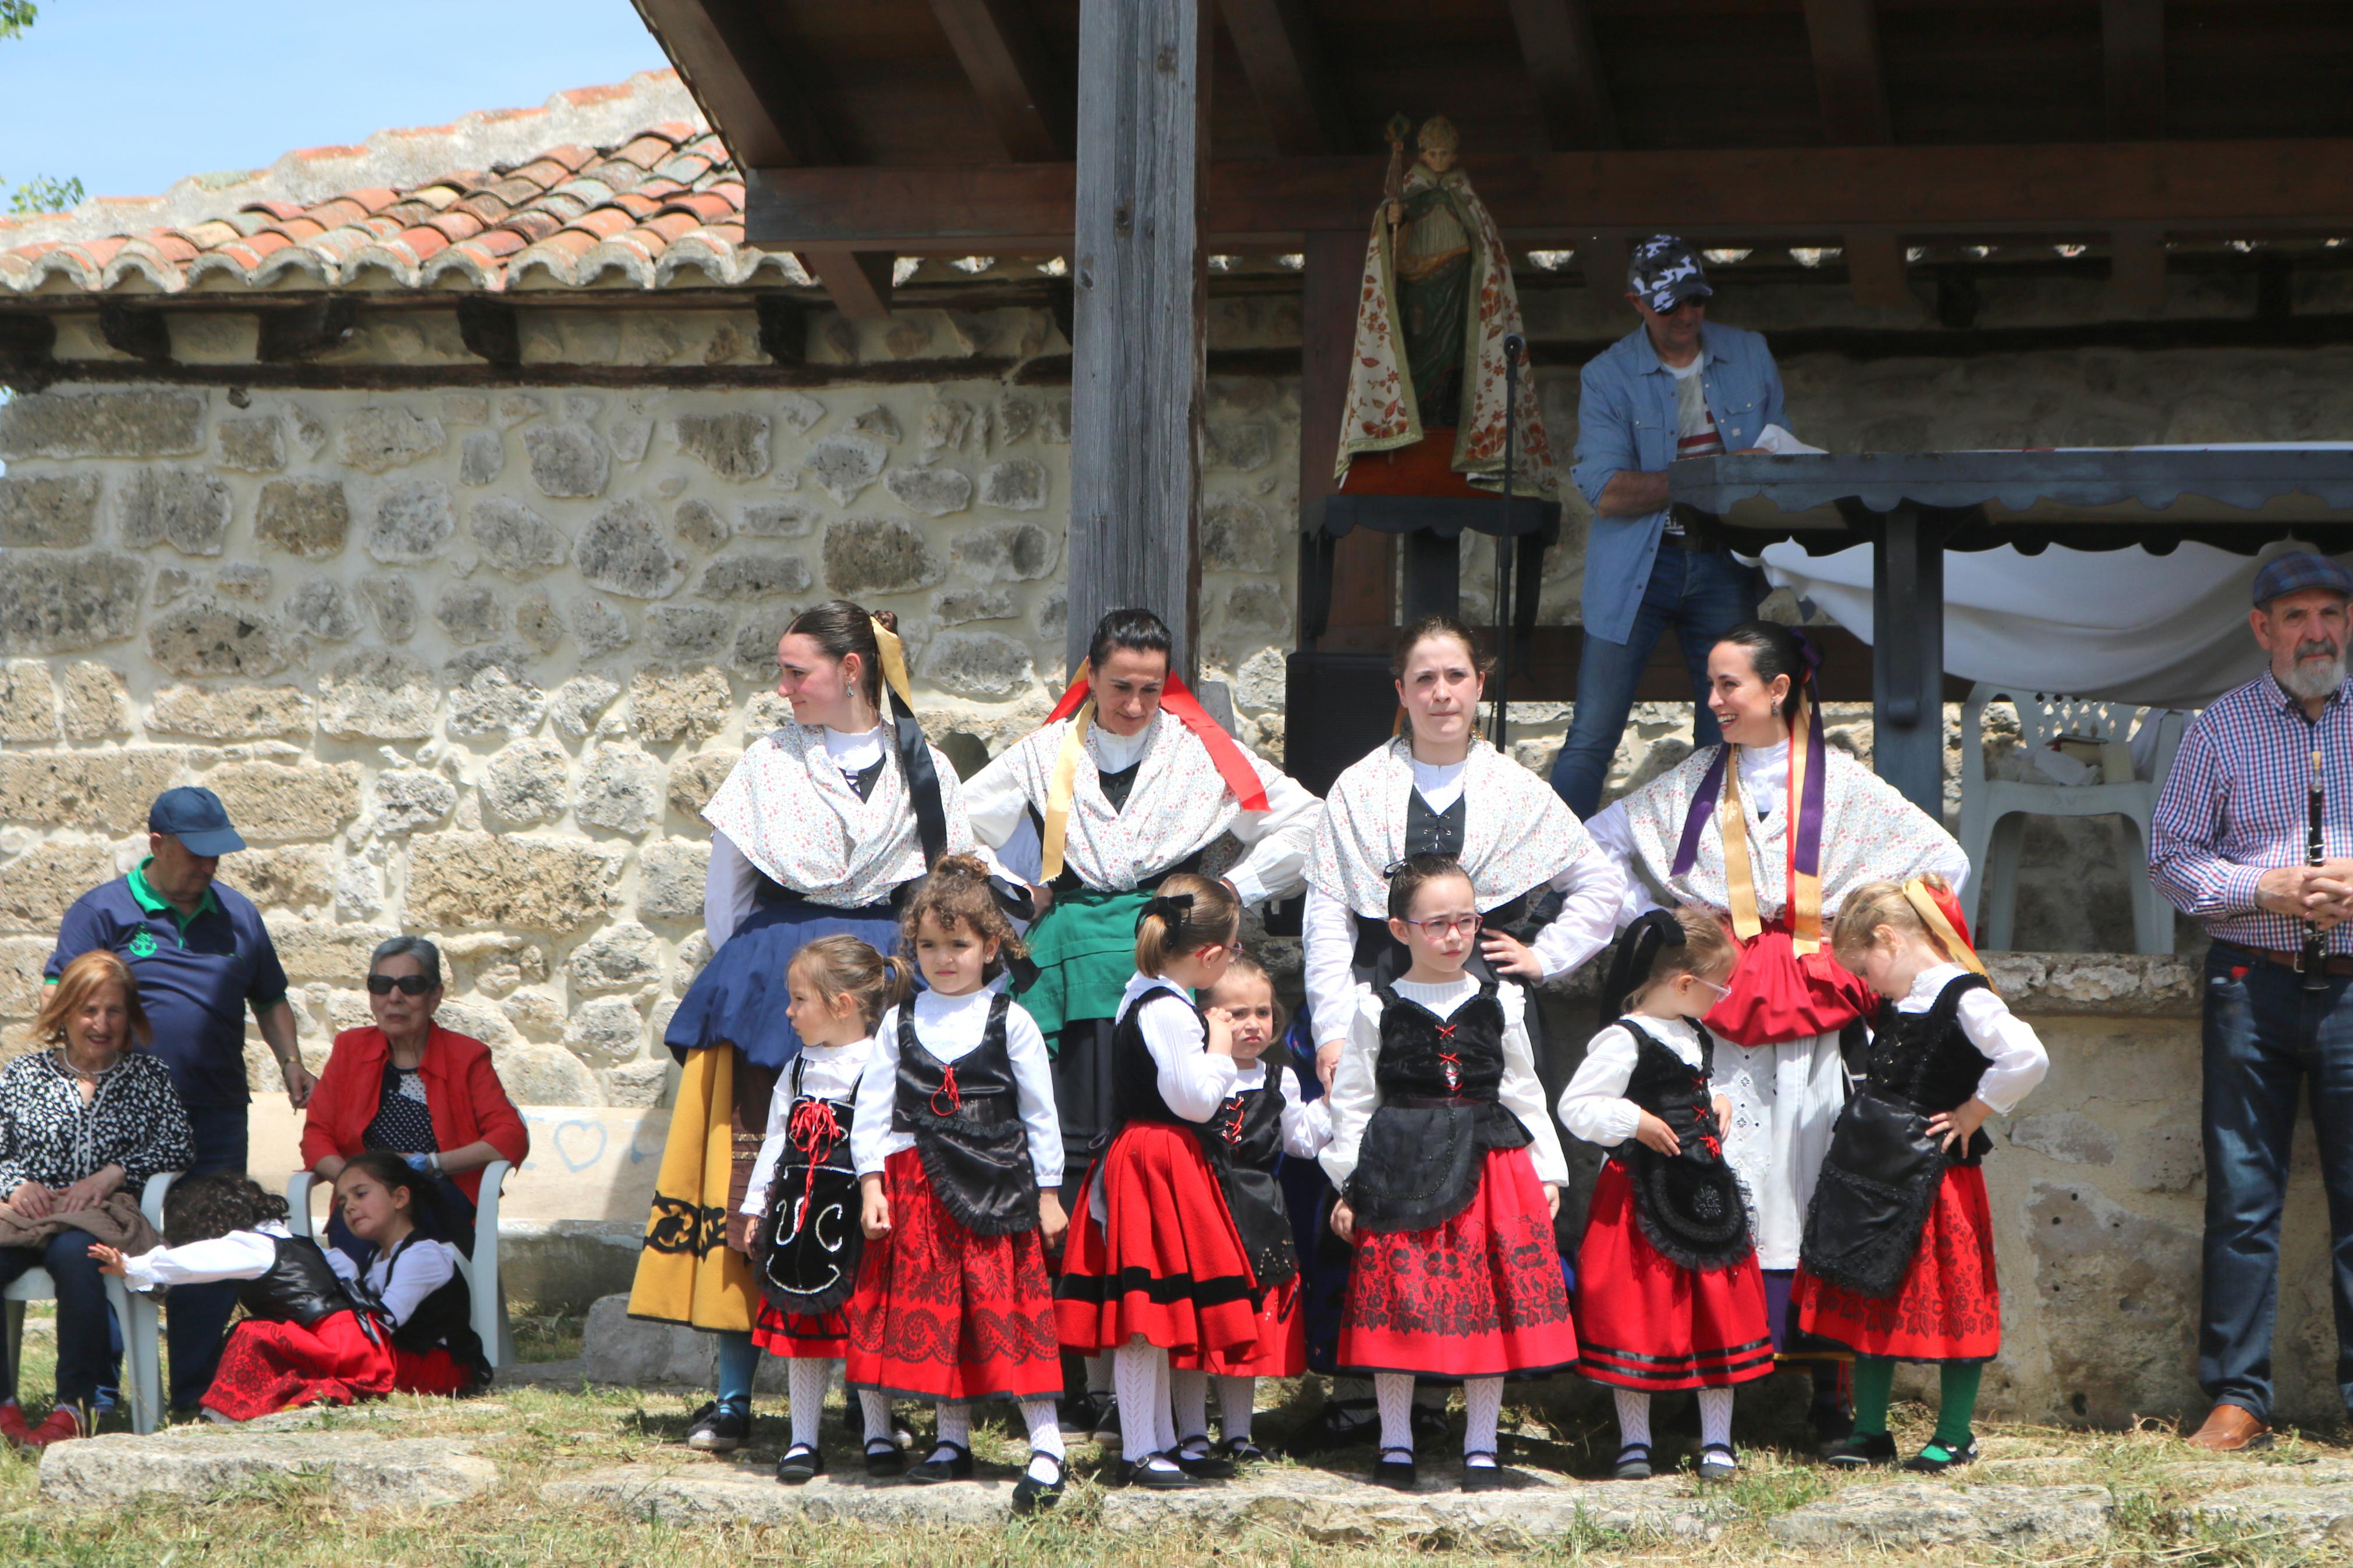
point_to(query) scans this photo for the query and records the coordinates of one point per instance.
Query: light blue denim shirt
(1626, 419)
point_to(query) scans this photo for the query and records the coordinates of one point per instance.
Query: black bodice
(1670, 1087)
(445, 1318)
(1424, 1056)
(809, 1243)
(300, 1287)
(1429, 832)
(1688, 1204)
(965, 1117)
(1242, 1141)
(1927, 1061)
(1135, 1075)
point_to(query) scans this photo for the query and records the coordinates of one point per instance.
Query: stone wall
(470, 663)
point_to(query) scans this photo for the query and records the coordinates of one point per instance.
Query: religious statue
(1425, 410)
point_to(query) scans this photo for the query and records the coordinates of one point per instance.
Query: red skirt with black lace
(1478, 1296)
(797, 1336)
(1949, 1306)
(944, 1313)
(1280, 1350)
(266, 1366)
(1645, 1322)
(1165, 1262)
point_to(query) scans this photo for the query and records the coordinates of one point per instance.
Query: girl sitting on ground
(318, 1328)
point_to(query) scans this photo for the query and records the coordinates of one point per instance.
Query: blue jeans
(85, 1348)
(1703, 597)
(196, 1316)
(2264, 1036)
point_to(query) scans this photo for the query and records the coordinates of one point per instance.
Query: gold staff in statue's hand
(1393, 186)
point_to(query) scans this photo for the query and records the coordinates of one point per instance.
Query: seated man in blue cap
(2230, 845)
(201, 957)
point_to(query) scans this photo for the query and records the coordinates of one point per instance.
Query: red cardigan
(462, 1090)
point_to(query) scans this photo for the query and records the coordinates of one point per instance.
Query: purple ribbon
(1807, 859)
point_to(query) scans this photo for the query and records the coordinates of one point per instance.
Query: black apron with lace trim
(1424, 1147)
(1881, 1176)
(806, 1250)
(965, 1117)
(1689, 1203)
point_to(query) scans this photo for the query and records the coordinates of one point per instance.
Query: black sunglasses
(411, 985)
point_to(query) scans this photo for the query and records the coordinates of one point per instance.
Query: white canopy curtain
(2159, 631)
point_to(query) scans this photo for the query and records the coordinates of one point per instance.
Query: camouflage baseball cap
(1665, 271)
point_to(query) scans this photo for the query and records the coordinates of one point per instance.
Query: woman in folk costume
(1547, 898)
(1898, 1262)
(820, 827)
(1805, 826)
(1128, 783)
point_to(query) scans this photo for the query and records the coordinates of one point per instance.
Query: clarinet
(2314, 962)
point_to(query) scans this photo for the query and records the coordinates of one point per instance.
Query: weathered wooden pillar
(1140, 316)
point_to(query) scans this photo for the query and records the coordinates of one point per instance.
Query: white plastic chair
(141, 1345)
(481, 1271)
(1994, 811)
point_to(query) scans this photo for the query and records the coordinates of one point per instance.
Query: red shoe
(12, 1423)
(64, 1423)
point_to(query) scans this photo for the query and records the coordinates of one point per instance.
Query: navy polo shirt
(197, 975)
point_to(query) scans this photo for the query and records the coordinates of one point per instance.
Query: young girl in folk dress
(1914, 1280)
(804, 1189)
(1156, 1265)
(1263, 1116)
(1450, 1171)
(1669, 1295)
(317, 1328)
(959, 1157)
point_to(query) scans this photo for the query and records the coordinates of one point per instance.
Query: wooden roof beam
(1845, 39)
(1284, 62)
(2249, 189)
(1556, 41)
(2132, 54)
(743, 79)
(1023, 98)
(858, 281)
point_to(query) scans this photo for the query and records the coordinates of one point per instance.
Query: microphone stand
(1514, 346)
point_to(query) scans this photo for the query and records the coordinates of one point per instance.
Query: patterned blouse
(49, 1135)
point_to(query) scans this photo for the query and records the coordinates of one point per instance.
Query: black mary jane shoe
(1031, 1495)
(1486, 1478)
(1172, 1477)
(800, 1465)
(1243, 1451)
(718, 1429)
(1717, 1462)
(884, 1459)
(956, 1467)
(1341, 1424)
(1633, 1463)
(1397, 1475)
(1861, 1450)
(1927, 1463)
(1209, 1465)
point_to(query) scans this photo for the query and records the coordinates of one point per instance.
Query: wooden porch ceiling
(927, 126)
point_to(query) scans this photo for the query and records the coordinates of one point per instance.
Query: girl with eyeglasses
(1450, 1173)
(1547, 898)
(1668, 1292)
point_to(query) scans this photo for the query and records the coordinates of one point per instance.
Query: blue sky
(129, 95)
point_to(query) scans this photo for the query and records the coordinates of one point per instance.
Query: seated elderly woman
(410, 1087)
(88, 1116)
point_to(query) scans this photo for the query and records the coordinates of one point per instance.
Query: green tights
(1874, 1382)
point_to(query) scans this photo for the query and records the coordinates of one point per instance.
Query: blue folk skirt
(740, 995)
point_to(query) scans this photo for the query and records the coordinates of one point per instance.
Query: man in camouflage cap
(1677, 387)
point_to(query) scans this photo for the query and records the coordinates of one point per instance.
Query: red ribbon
(947, 1086)
(813, 1129)
(1233, 766)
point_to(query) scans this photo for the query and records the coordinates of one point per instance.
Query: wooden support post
(2132, 58)
(859, 282)
(1845, 39)
(1364, 567)
(1874, 267)
(490, 329)
(1564, 65)
(2136, 271)
(1140, 309)
(1907, 665)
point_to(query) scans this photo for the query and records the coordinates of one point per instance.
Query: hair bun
(887, 619)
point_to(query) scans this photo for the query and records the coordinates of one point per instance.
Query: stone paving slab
(1938, 1513)
(365, 1470)
(1331, 1509)
(2306, 1514)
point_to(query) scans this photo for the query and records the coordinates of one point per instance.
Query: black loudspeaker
(1337, 707)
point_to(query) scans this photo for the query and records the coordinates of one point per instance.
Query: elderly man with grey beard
(2231, 846)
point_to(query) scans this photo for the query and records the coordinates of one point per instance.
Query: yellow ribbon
(1740, 887)
(894, 667)
(1917, 894)
(1056, 829)
(1805, 888)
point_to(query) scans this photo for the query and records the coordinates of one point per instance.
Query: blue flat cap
(197, 818)
(2299, 570)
